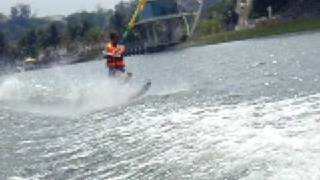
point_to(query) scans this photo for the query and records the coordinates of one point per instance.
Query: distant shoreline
(258, 32)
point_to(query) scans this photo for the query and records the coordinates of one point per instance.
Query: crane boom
(141, 6)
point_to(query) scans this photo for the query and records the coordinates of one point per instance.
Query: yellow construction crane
(141, 6)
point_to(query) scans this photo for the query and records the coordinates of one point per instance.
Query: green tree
(43, 38)
(54, 37)
(78, 25)
(102, 18)
(121, 16)
(73, 31)
(14, 13)
(21, 12)
(2, 43)
(85, 28)
(3, 18)
(29, 44)
(25, 11)
(94, 36)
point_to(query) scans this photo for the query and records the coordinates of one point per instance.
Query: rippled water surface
(244, 110)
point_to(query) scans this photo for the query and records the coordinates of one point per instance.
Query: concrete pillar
(243, 9)
(149, 33)
(270, 13)
(155, 34)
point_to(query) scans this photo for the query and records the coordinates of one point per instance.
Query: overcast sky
(57, 7)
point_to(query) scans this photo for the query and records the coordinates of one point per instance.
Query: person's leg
(121, 72)
(112, 72)
(128, 76)
(118, 72)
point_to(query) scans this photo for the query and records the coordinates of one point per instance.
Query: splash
(62, 93)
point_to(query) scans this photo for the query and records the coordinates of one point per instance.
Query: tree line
(25, 35)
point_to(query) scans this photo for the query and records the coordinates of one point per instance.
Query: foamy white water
(244, 110)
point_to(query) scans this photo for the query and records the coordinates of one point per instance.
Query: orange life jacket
(115, 56)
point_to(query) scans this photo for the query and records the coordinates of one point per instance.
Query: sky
(57, 7)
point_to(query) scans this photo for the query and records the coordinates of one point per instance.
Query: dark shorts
(114, 71)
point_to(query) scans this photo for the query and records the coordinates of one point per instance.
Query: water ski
(144, 89)
(128, 77)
